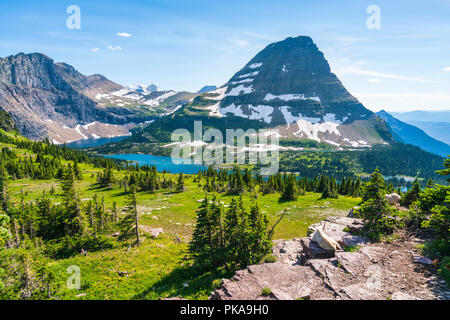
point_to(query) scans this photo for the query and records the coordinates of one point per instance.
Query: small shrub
(270, 259)
(217, 283)
(266, 292)
(352, 248)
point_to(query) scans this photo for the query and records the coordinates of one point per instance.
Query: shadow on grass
(281, 200)
(184, 281)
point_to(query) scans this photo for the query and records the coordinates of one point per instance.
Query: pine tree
(290, 189)
(357, 191)
(261, 243)
(412, 194)
(4, 227)
(180, 183)
(114, 212)
(199, 247)
(129, 225)
(377, 214)
(73, 223)
(3, 188)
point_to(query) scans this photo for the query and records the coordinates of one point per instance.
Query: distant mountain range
(435, 123)
(287, 86)
(207, 89)
(420, 115)
(406, 133)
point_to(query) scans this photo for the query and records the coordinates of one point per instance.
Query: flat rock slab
(288, 251)
(376, 271)
(361, 291)
(286, 282)
(356, 263)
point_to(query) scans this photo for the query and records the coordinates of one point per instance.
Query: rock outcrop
(365, 271)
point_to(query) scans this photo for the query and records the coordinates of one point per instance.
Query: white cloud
(374, 80)
(239, 42)
(446, 69)
(111, 48)
(426, 96)
(124, 34)
(362, 72)
(404, 101)
(94, 49)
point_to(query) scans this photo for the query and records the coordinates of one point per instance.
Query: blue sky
(184, 45)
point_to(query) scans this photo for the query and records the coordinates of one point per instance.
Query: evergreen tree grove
(233, 238)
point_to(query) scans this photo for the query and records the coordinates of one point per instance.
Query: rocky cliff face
(43, 97)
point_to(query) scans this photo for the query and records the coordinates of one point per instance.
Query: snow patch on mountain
(252, 74)
(157, 101)
(261, 112)
(289, 97)
(291, 119)
(214, 110)
(219, 94)
(242, 81)
(255, 65)
(241, 89)
(312, 130)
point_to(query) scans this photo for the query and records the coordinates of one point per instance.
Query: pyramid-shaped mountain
(289, 86)
(287, 81)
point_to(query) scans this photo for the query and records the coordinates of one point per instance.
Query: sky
(399, 62)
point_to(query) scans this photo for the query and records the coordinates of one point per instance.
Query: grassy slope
(156, 268)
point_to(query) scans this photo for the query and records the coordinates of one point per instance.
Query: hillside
(437, 130)
(156, 269)
(406, 133)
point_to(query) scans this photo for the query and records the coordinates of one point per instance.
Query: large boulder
(393, 199)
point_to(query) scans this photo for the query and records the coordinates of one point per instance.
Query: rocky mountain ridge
(406, 133)
(55, 101)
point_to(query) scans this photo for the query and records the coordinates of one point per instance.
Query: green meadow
(157, 269)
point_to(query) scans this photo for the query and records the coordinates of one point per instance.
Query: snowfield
(312, 130)
(289, 97)
(255, 65)
(241, 89)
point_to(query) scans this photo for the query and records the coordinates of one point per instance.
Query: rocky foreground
(364, 271)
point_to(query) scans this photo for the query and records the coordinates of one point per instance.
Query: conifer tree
(290, 189)
(199, 247)
(114, 212)
(261, 243)
(3, 188)
(129, 225)
(377, 214)
(4, 227)
(412, 194)
(180, 183)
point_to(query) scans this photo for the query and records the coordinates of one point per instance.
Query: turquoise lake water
(88, 143)
(161, 163)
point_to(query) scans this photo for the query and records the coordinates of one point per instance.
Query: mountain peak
(291, 80)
